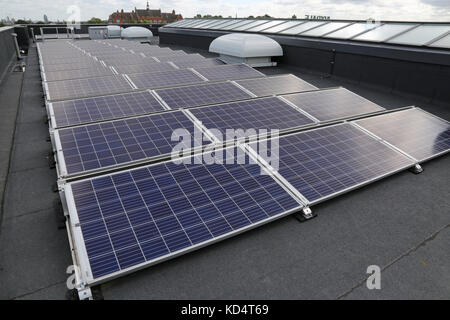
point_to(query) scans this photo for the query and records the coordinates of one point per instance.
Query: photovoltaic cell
(413, 131)
(229, 72)
(82, 111)
(323, 162)
(333, 104)
(142, 216)
(82, 88)
(107, 144)
(276, 85)
(140, 68)
(164, 79)
(202, 94)
(266, 113)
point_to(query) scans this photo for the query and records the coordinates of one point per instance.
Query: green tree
(294, 16)
(94, 20)
(40, 22)
(20, 21)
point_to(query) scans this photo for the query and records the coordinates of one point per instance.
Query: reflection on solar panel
(141, 217)
(164, 79)
(201, 94)
(419, 134)
(323, 162)
(82, 88)
(333, 104)
(229, 72)
(76, 74)
(129, 60)
(82, 111)
(276, 85)
(140, 68)
(199, 64)
(107, 144)
(266, 113)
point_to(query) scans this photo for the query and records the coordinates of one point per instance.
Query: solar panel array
(339, 103)
(142, 215)
(413, 131)
(125, 213)
(229, 72)
(201, 94)
(321, 163)
(266, 113)
(96, 146)
(275, 85)
(81, 111)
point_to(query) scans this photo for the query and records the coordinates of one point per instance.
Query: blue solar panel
(414, 131)
(201, 94)
(266, 113)
(147, 214)
(83, 88)
(333, 104)
(164, 79)
(229, 72)
(99, 146)
(321, 163)
(82, 111)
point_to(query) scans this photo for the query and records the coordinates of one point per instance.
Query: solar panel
(83, 88)
(333, 104)
(129, 60)
(71, 66)
(415, 132)
(325, 162)
(137, 218)
(275, 85)
(199, 64)
(140, 68)
(201, 94)
(186, 57)
(266, 113)
(76, 74)
(107, 144)
(164, 79)
(82, 111)
(229, 72)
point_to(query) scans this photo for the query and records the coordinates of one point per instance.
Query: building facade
(153, 16)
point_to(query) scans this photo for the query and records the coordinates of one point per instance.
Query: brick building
(147, 15)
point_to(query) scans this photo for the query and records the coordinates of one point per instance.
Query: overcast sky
(420, 10)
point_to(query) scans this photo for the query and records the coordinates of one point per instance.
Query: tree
(294, 16)
(20, 21)
(198, 16)
(40, 22)
(94, 20)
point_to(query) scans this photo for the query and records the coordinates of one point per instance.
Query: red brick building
(153, 16)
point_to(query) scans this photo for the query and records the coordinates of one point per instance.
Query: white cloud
(423, 10)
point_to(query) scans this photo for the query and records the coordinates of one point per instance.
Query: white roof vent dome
(114, 31)
(136, 33)
(253, 49)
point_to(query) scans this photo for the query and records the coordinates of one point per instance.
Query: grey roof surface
(400, 224)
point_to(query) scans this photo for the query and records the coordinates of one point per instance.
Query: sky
(406, 10)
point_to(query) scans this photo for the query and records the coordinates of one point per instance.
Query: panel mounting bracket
(305, 214)
(416, 169)
(85, 293)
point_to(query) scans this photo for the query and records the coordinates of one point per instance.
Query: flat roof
(400, 224)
